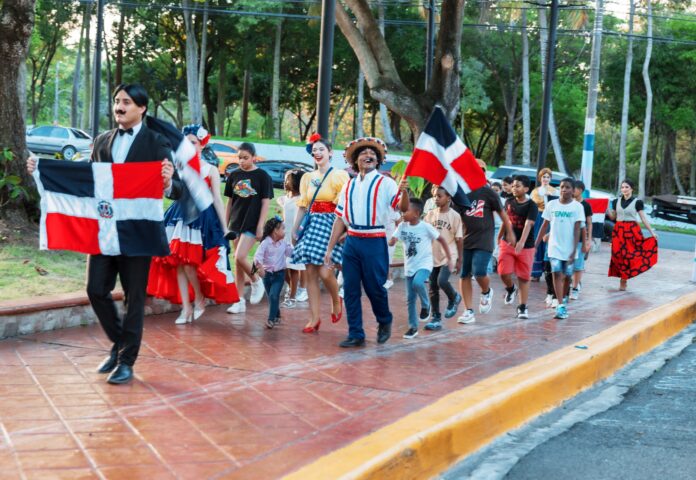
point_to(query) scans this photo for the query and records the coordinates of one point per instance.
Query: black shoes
(122, 374)
(108, 364)
(383, 332)
(352, 342)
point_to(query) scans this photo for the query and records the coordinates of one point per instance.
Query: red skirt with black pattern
(631, 253)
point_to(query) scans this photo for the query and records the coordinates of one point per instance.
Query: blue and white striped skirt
(312, 246)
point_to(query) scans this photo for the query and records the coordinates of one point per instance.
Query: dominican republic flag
(196, 196)
(599, 210)
(102, 208)
(441, 158)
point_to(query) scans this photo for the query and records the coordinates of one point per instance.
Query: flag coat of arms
(599, 210)
(441, 158)
(102, 208)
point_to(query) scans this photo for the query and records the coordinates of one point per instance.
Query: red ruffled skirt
(200, 244)
(631, 253)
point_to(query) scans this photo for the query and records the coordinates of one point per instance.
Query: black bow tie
(123, 132)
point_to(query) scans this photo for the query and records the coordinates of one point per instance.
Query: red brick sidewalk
(226, 398)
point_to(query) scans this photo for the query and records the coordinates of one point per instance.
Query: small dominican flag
(599, 210)
(102, 208)
(442, 158)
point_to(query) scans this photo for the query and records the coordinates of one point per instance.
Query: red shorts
(510, 262)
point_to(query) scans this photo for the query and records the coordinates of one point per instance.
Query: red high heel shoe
(337, 318)
(313, 329)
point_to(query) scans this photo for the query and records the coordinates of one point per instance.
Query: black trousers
(439, 279)
(127, 333)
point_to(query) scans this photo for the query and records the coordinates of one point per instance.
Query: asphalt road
(639, 425)
(676, 241)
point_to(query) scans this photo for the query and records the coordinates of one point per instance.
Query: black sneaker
(510, 295)
(453, 306)
(411, 333)
(522, 311)
(424, 315)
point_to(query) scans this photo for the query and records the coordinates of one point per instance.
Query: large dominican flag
(442, 158)
(599, 210)
(111, 209)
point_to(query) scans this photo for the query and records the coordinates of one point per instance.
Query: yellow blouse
(330, 189)
(540, 198)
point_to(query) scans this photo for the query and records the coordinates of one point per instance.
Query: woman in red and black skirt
(631, 253)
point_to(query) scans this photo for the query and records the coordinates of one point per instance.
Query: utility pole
(328, 18)
(57, 98)
(548, 86)
(592, 94)
(430, 43)
(96, 90)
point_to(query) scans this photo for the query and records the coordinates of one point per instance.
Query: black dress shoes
(352, 342)
(383, 332)
(122, 374)
(108, 364)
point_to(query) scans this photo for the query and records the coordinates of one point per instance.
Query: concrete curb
(426, 442)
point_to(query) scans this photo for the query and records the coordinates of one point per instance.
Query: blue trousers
(415, 287)
(273, 284)
(365, 265)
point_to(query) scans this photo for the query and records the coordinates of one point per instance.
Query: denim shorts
(579, 265)
(561, 266)
(475, 262)
(249, 234)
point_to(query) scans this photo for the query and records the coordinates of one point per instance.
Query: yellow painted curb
(426, 442)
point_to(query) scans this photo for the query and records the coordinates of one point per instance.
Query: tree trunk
(626, 94)
(592, 92)
(666, 173)
(373, 124)
(203, 60)
(118, 76)
(109, 79)
(360, 114)
(245, 103)
(15, 33)
(510, 98)
(75, 101)
(86, 120)
(692, 172)
(395, 121)
(221, 88)
(526, 129)
(671, 145)
(179, 110)
(383, 114)
(648, 106)
(275, 91)
(553, 133)
(193, 91)
(208, 101)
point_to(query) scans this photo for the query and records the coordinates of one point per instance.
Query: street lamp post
(328, 15)
(96, 90)
(548, 86)
(430, 43)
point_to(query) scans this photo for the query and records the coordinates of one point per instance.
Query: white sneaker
(239, 307)
(467, 317)
(301, 295)
(554, 303)
(486, 302)
(257, 292)
(549, 299)
(339, 279)
(289, 303)
(388, 284)
(340, 292)
(574, 293)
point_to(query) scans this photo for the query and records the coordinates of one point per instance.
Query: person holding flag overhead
(123, 240)
(442, 158)
(364, 207)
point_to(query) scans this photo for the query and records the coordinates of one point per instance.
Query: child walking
(448, 223)
(518, 259)
(565, 218)
(295, 272)
(417, 238)
(270, 260)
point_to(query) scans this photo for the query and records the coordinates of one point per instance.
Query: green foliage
(415, 184)
(11, 187)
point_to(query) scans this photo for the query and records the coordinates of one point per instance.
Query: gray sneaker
(486, 301)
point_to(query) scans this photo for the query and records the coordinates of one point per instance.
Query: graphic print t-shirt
(562, 218)
(449, 225)
(519, 213)
(418, 245)
(479, 225)
(246, 190)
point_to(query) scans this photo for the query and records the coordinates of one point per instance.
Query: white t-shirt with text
(562, 218)
(418, 245)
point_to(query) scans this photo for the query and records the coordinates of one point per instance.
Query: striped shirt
(365, 204)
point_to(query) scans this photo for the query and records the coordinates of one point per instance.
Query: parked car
(56, 140)
(209, 156)
(276, 169)
(228, 155)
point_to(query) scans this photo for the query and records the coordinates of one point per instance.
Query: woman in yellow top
(540, 197)
(310, 249)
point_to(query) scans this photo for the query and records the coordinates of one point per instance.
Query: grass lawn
(26, 271)
(667, 228)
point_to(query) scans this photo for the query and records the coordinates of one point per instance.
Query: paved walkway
(226, 398)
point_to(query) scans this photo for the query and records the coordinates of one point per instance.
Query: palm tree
(626, 94)
(648, 106)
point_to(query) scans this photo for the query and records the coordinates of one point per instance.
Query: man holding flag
(442, 158)
(127, 229)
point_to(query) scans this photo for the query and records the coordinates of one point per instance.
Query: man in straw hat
(364, 205)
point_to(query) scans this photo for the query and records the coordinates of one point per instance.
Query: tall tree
(648, 105)
(526, 129)
(275, 89)
(383, 114)
(77, 74)
(16, 23)
(626, 94)
(192, 66)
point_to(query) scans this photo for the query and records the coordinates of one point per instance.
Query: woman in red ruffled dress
(631, 253)
(198, 267)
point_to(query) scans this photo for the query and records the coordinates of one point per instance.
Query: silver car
(53, 140)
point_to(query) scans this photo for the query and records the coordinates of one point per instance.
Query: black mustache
(121, 112)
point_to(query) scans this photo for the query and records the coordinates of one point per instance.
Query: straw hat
(375, 143)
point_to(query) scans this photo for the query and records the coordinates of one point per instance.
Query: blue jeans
(415, 285)
(273, 284)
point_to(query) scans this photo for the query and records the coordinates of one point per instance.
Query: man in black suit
(132, 141)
